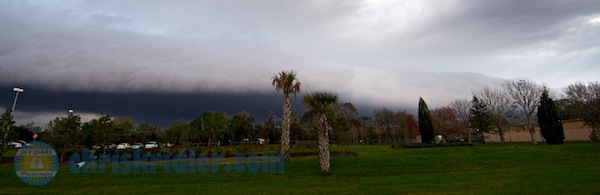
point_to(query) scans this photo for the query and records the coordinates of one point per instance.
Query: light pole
(70, 113)
(16, 90)
(12, 112)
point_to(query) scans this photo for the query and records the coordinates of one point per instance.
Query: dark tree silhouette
(481, 119)
(425, 125)
(549, 121)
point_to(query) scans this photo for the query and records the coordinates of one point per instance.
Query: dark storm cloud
(161, 109)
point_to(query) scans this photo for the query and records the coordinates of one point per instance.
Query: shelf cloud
(372, 53)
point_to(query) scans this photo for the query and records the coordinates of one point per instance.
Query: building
(575, 130)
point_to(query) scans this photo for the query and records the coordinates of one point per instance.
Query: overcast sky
(159, 61)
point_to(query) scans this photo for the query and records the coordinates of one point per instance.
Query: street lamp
(70, 113)
(16, 90)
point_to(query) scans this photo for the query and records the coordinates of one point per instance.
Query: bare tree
(462, 110)
(586, 100)
(394, 125)
(384, 118)
(400, 125)
(499, 106)
(445, 122)
(525, 95)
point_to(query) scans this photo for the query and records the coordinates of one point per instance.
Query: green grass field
(572, 168)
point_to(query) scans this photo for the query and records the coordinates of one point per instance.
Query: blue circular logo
(36, 164)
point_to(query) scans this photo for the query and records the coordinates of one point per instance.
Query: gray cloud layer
(380, 53)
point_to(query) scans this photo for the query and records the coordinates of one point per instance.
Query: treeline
(518, 103)
(219, 128)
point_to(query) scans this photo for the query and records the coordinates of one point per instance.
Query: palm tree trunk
(323, 143)
(285, 129)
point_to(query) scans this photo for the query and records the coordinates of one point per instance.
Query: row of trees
(525, 103)
(213, 128)
(515, 103)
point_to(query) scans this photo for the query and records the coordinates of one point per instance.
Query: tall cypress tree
(549, 121)
(425, 125)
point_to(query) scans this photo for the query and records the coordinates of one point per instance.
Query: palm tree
(317, 105)
(286, 82)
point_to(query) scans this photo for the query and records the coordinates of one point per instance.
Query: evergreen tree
(425, 125)
(481, 119)
(549, 121)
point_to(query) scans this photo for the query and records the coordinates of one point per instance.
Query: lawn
(572, 168)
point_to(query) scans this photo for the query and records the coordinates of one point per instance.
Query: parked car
(456, 139)
(123, 146)
(137, 146)
(18, 144)
(112, 146)
(23, 143)
(151, 144)
(15, 144)
(97, 147)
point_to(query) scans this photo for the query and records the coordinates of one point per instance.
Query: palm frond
(319, 101)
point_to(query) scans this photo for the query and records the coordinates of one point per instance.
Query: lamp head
(18, 90)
